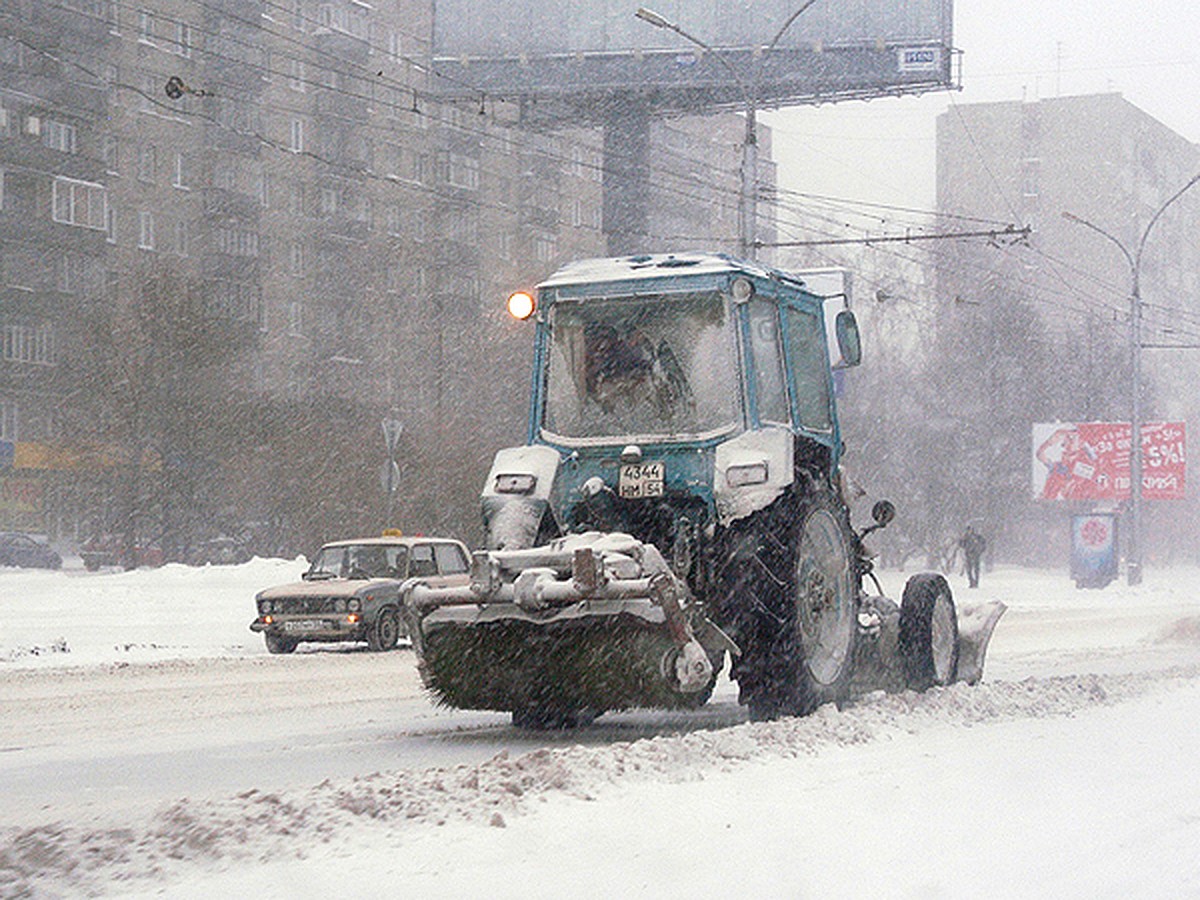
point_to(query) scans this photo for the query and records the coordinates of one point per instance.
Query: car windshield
(359, 561)
(649, 365)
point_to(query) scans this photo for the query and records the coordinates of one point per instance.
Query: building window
(545, 247)
(1030, 169)
(147, 163)
(8, 420)
(236, 242)
(183, 39)
(58, 136)
(182, 238)
(297, 258)
(329, 201)
(296, 75)
(462, 171)
(112, 154)
(29, 344)
(393, 221)
(146, 26)
(110, 225)
(295, 318)
(80, 203)
(146, 230)
(297, 136)
(181, 172)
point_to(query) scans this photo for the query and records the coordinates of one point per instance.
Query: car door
(454, 568)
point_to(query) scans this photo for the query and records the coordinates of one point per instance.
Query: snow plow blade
(885, 661)
(975, 626)
(588, 623)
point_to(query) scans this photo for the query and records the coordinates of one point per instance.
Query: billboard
(495, 28)
(563, 61)
(1091, 461)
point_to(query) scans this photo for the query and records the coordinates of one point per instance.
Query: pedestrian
(973, 544)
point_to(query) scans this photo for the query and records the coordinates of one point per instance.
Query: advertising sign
(1091, 461)
(1093, 549)
(534, 27)
(566, 61)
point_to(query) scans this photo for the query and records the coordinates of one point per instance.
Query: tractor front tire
(928, 632)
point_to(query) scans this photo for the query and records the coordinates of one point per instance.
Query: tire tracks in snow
(79, 858)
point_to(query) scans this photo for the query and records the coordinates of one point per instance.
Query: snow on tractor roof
(647, 266)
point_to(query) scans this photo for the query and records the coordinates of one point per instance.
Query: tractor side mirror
(848, 339)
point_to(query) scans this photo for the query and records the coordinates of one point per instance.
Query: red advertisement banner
(1091, 461)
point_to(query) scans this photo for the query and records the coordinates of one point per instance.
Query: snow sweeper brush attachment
(560, 633)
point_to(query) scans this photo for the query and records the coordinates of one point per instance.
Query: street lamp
(748, 195)
(1134, 554)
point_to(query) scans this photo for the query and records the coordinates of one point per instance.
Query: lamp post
(1134, 553)
(748, 194)
(392, 429)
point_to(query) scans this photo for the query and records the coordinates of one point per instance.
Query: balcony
(223, 204)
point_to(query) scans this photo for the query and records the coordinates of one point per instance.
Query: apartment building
(282, 171)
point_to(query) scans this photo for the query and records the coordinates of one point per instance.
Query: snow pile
(257, 826)
(83, 618)
(1088, 704)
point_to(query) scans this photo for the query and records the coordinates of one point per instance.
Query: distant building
(1098, 157)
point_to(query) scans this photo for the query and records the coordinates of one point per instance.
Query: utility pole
(748, 192)
(1133, 555)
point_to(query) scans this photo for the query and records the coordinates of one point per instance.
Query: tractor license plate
(641, 480)
(304, 625)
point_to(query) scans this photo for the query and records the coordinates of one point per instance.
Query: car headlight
(355, 604)
(264, 607)
(339, 605)
(741, 476)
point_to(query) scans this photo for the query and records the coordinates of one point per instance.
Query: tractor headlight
(752, 473)
(521, 305)
(515, 483)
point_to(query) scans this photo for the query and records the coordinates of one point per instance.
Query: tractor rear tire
(799, 639)
(928, 632)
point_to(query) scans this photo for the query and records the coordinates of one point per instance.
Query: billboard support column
(626, 186)
(747, 230)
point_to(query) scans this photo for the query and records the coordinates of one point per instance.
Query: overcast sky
(883, 150)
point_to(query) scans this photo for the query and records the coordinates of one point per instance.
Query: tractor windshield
(648, 365)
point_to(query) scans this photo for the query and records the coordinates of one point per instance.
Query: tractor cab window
(648, 365)
(770, 386)
(810, 369)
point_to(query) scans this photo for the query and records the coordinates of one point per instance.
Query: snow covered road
(165, 751)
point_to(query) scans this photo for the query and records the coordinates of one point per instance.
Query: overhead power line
(1011, 234)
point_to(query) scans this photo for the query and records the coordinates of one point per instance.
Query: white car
(351, 592)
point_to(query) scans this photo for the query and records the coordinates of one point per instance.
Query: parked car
(219, 551)
(27, 552)
(106, 550)
(351, 591)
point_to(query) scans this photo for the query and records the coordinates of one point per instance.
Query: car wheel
(928, 632)
(277, 643)
(385, 633)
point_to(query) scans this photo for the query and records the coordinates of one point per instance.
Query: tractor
(679, 500)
